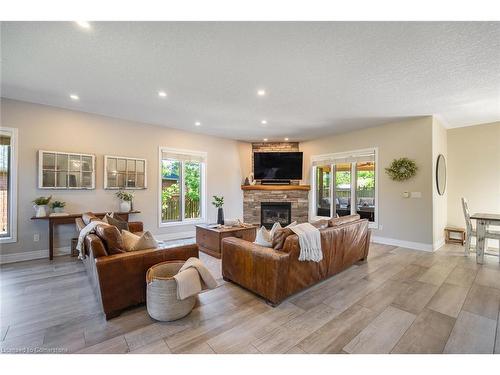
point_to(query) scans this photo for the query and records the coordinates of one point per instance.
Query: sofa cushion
(280, 236)
(133, 242)
(342, 220)
(111, 237)
(116, 221)
(264, 237)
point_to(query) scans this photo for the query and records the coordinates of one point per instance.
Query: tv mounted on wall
(278, 165)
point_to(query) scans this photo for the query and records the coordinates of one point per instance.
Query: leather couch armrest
(122, 277)
(260, 269)
(135, 226)
(94, 246)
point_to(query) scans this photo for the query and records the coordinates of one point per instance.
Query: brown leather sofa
(277, 274)
(119, 277)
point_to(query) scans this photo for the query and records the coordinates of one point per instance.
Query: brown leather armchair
(277, 274)
(119, 277)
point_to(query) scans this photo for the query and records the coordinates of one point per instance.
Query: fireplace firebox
(272, 212)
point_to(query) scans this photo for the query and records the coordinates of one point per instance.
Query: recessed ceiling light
(263, 122)
(74, 97)
(197, 123)
(265, 139)
(286, 139)
(83, 24)
(261, 92)
(162, 94)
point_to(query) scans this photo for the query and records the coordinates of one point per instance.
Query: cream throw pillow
(133, 242)
(264, 237)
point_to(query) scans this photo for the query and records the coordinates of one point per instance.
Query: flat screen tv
(278, 165)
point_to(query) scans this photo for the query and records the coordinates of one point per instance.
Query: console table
(70, 219)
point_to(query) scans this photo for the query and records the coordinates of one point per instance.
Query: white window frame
(13, 133)
(106, 157)
(340, 155)
(40, 171)
(203, 196)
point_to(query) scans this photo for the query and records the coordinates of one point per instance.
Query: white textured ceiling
(321, 77)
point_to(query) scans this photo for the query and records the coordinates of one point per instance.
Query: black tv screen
(278, 165)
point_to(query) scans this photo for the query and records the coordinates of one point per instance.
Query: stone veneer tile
(253, 198)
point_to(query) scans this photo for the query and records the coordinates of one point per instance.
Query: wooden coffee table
(209, 240)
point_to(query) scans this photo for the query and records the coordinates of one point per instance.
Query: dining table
(482, 222)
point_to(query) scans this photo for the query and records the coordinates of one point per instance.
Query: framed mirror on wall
(65, 170)
(441, 174)
(122, 172)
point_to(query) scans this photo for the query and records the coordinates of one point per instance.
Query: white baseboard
(438, 244)
(400, 243)
(31, 255)
(175, 236)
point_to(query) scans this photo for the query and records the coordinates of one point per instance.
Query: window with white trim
(182, 186)
(8, 185)
(345, 184)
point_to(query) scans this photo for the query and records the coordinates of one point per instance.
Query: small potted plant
(40, 206)
(125, 200)
(219, 202)
(58, 206)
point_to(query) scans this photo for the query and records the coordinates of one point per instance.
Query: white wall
(50, 128)
(440, 202)
(404, 221)
(473, 171)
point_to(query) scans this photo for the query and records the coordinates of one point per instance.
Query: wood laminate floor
(399, 301)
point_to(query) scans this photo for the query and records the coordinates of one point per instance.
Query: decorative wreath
(402, 169)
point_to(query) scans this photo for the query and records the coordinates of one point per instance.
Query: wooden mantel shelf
(275, 187)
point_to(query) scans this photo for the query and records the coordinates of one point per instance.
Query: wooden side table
(459, 232)
(209, 240)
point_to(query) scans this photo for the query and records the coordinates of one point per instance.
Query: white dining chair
(471, 232)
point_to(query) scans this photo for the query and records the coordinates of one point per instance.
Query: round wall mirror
(441, 174)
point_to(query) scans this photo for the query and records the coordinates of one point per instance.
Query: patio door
(345, 184)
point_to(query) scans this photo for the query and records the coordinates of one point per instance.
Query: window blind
(182, 156)
(4, 140)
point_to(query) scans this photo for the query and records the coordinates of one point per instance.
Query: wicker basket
(161, 295)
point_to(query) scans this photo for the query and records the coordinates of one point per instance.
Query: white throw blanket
(192, 278)
(309, 241)
(89, 228)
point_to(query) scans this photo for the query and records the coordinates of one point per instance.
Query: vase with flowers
(58, 206)
(40, 206)
(218, 202)
(125, 200)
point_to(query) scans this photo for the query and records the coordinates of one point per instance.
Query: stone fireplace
(272, 212)
(257, 196)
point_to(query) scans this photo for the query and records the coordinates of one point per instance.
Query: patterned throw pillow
(116, 221)
(264, 237)
(133, 242)
(111, 238)
(280, 236)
